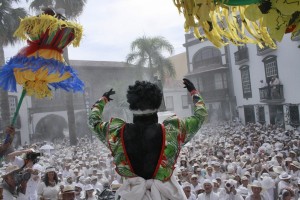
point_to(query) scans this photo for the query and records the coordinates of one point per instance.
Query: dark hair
(144, 95)
(46, 179)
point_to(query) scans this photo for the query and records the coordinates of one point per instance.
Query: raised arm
(96, 122)
(191, 125)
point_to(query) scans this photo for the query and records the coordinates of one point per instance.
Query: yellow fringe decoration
(236, 24)
(35, 25)
(36, 83)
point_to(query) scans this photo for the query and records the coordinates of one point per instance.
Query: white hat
(227, 157)
(247, 173)
(284, 175)
(115, 185)
(278, 169)
(296, 164)
(264, 175)
(256, 183)
(267, 182)
(88, 187)
(50, 169)
(94, 178)
(207, 181)
(186, 184)
(194, 176)
(68, 188)
(38, 167)
(10, 169)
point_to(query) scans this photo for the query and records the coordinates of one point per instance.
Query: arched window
(246, 81)
(207, 56)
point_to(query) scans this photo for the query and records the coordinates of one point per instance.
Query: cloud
(110, 27)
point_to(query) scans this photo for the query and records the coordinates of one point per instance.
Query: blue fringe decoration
(8, 81)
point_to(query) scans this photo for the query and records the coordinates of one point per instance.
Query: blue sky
(111, 25)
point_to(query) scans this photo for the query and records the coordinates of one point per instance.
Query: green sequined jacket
(176, 133)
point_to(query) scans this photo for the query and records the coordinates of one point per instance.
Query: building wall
(180, 63)
(288, 70)
(176, 94)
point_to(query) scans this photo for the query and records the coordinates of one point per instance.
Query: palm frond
(38, 4)
(150, 52)
(9, 22)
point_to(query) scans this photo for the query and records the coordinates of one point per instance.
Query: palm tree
(72, 10)
(147, 52)
(9, 22)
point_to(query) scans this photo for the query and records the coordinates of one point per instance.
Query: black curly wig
(144, 95)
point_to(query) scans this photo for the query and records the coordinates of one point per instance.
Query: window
(169, 103)
(294, 115)
(207, 56)
(261, 115)
(249, 114)
(246, 82)
(13, 101)
(271, 68)
(225, 80)
(184, 100)
(220, 81)
(200, 84)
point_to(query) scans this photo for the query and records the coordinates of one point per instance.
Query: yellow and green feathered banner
(241, 21)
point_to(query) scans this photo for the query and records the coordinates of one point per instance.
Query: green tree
(147, 52)
(72, 8)
(9, 22)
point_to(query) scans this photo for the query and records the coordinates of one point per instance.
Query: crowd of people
(241, 162)
(223, 161)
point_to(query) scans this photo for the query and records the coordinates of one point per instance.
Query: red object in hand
(290, 28)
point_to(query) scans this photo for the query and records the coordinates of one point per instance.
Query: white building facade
(209, 68)
(258, 101)
(235, 81)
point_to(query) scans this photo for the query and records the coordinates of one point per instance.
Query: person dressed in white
(8, 184)
(268, 185)
(195, 185)
(284, 182)
(208, 193)
(33, 182)
(97, 185)
(256, 192)
(186, 186)
(90, 193)
(49, 187)
(229, 191)
(67, 172)
(31, 166)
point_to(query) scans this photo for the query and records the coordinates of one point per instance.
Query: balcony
(264, 50)
(271, 94)
(241, 56)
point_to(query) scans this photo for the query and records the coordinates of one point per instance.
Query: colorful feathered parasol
(40, 67)
(241, 21)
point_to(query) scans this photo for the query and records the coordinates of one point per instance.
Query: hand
(10, 130)
(233, 190)
(188, 85)
(107, 94)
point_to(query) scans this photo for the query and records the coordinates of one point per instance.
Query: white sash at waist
(140, 189)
